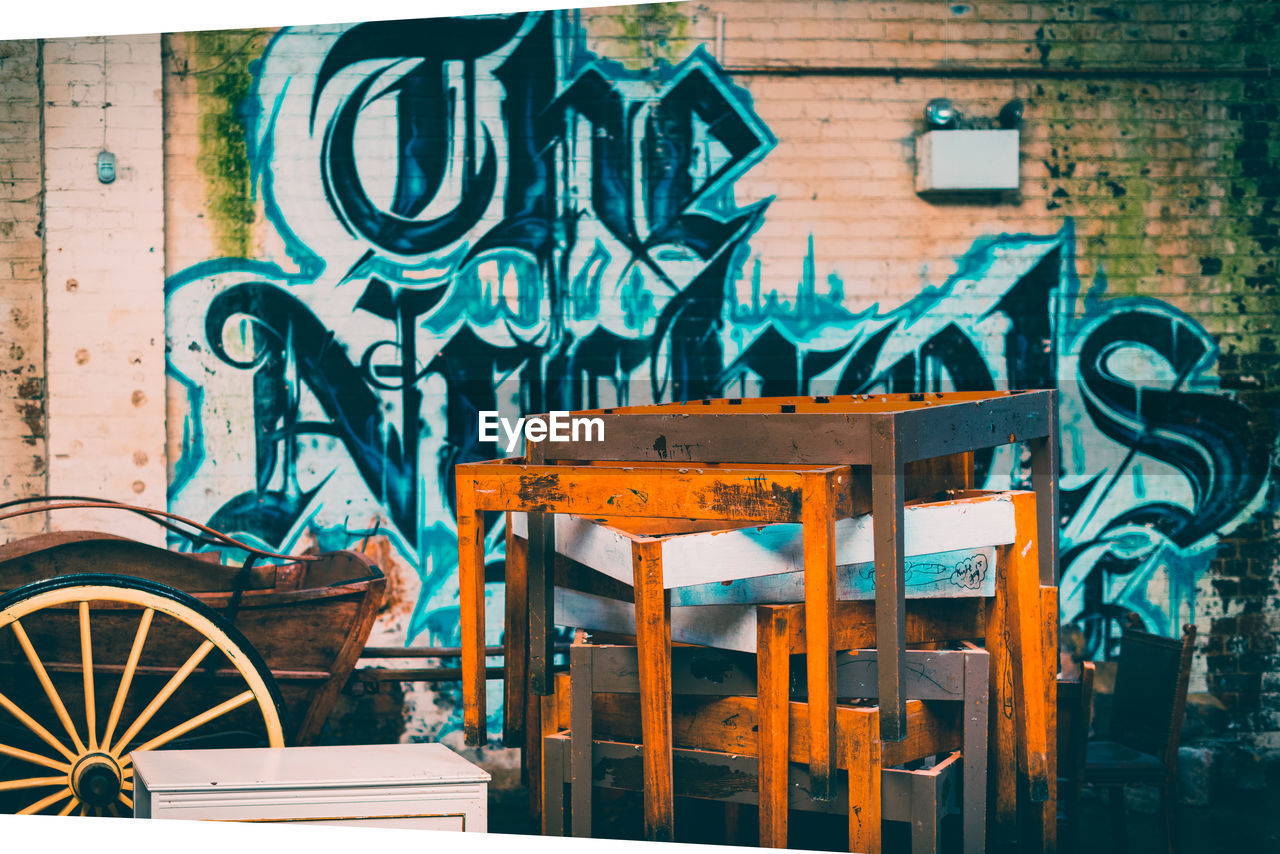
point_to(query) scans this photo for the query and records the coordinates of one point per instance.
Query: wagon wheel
(167, 664)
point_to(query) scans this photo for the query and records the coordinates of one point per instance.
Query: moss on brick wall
(220, 62)
(653, 33)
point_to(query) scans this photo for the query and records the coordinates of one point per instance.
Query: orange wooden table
(814, 496)
(1010, 614)
(883, 436)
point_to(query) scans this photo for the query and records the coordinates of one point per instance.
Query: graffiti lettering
(479, 216)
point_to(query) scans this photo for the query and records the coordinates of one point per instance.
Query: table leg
(1044, 478)
(1048, 811)
(974, 753)
(471, 616)
(1028, 654)
(864, 784)
(653, 648)
(581, 735)
(924, 813)
(540, 580)
(1003, 766)
(773, 689)
(515, 640)
(552, 788)
(817, 515)
(887, 493)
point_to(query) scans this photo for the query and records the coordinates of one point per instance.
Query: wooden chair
(813, 496)
(748, 746)
(1075, 709)
(1146, 720)
(1012, 620)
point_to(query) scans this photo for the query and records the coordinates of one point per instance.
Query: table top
(851, 404)
(305, 767)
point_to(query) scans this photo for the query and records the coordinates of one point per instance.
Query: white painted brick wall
(105, 257)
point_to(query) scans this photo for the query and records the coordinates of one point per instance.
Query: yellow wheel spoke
(71, 804)
(31, 724)
(86, 663)
(34, 758)
(165, 693)
(198, 720)
(126, 800)
(114, 810)
(32, 783)
(47, 802)
(126, 679)
(126, 786)
(47, 684)
(84, 810)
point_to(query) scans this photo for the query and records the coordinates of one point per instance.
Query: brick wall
(1138, 252)
(104, 251)
(1149, 127)
(23, 454)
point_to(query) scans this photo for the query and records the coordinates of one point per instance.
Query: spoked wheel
(171, 669)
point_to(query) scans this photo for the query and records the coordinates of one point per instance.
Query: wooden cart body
(307, 620)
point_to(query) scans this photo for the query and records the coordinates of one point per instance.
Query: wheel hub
(96, 779)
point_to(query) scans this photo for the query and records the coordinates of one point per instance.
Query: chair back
(1151, 691)
(1075, 707)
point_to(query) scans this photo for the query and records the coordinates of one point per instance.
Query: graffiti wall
(481, 214)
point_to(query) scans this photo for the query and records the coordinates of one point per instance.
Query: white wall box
(957, 160)
(383, 785)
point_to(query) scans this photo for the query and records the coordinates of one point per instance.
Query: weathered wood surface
(888, 494)
(731, 724)
(1022, 578)
(865, 752)
(942, 541)
(924, 796)
(653, 648)
(759, 493)
(835, 429)
(471, 616)
(819, 621)
(820, 430)
(1045, 814)
(308, 621)
(1044, 479)
(515, 639)
(977, 711)
(826, 404)
(733, 627)
(730, 778)
(773, 680)
(815, 495)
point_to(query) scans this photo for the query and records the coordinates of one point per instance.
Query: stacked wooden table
(795, 460)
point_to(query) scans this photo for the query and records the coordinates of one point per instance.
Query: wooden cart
(110, 646)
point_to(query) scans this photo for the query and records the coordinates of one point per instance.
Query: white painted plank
(711, 557)
(956, 574)
(721, 626)
(604, 549)
(928, 529)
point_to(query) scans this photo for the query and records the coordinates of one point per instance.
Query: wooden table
(885, 433)
(989, 590)
(814, 496)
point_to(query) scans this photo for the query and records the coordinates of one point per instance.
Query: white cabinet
(384, 785)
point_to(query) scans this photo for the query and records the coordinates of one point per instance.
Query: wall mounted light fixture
(956, 154)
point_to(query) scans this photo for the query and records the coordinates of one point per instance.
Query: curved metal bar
(194, 537)
(155, 516)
